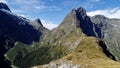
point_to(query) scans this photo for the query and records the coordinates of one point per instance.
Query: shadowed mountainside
(15, 28)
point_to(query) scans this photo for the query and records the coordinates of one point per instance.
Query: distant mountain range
(80, 41)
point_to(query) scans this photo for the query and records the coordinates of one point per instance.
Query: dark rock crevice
(98, 31)
(106, 51)
(3, 49)
(85, 23)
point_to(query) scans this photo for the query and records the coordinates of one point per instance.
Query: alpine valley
(80, 41)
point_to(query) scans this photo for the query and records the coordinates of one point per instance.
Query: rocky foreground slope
(26, 43)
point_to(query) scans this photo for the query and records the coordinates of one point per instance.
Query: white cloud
(27, 5)
(17, 11)
(40, 7)
(22, 15)
(33, 5)
(110, 13)
(54, 8)
(50, 8)
(90, 3)
(25, 2)
(3, 1)
(48, 24)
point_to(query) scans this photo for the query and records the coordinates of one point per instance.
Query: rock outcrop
(4, 6)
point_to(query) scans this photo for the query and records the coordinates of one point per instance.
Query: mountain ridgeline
(15, 28)
(26, 43)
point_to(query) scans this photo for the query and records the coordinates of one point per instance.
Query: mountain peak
(81, 10)
(4, 6)
(100, 16)
(38, 21)
(73, 11)
(77, 19)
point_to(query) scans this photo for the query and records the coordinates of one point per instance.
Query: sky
(52, 12)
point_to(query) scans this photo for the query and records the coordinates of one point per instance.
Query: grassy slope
(89, 55)
(74, 47)
(25, 56)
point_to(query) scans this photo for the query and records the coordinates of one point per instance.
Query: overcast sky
(52, 12)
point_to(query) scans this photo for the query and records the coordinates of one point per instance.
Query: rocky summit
(80, 41)
(4, 6)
